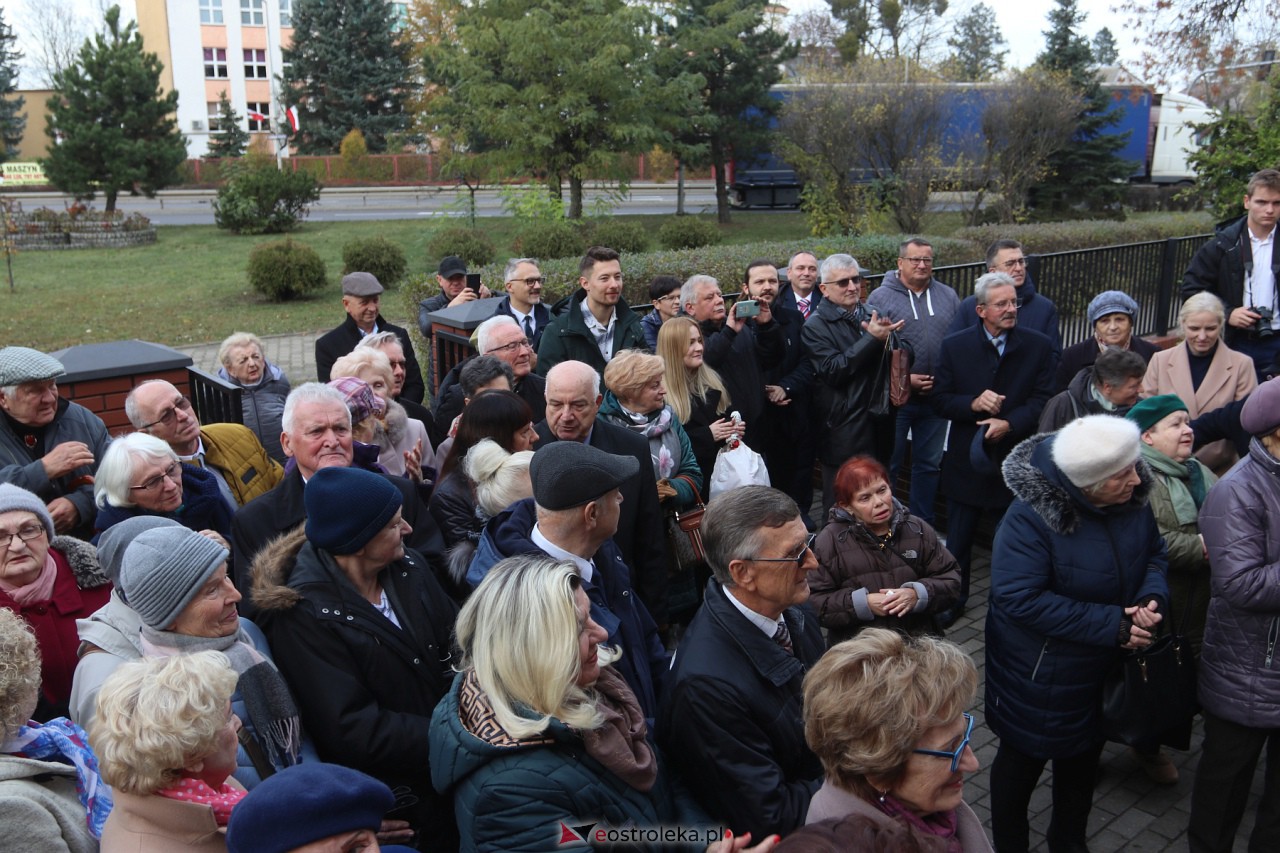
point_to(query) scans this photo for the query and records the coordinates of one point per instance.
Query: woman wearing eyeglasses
(141, 475)
(886, 716)
(50, 582)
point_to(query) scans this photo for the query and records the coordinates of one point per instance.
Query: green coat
(569, 339)
(1188, 566)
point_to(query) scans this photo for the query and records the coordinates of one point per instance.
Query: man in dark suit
(523, 302)
(501, 337)
(361, 293)
(801, 292)
(992, 381)
(317, 434)
(573, 400)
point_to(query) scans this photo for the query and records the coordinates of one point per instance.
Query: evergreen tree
(1105, 50)
(1089, 170)
(112, 128)
(230, 139)
(346, 69)
(976, 41)
(13, 122)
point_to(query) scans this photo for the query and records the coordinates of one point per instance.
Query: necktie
(998, 343)
(783, 637)
(528, 327)
(803, 305)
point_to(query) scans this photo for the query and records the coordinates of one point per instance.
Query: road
(181, 207)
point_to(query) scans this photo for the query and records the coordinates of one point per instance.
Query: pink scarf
(190, 790)
(940, 824)
(40, 589)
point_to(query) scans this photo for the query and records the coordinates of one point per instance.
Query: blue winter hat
(1112, 302)
(346, 507)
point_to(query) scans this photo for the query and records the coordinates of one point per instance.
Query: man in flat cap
(573, 514)
(48, 445)
(361, 292)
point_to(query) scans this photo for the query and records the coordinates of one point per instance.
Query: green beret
(1151, 411)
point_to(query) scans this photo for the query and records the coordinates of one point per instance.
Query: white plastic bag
(737, 465)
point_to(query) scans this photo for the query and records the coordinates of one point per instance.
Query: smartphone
(744, 308)
(473, 282)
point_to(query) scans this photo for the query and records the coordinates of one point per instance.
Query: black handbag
(1150, 695)
(892, 385)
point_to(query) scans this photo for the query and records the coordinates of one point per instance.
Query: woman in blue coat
(1077, 576)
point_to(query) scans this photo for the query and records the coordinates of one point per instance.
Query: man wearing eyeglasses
(523, 302)
(846, 343)
(231, 452)
(49, 445)
(731, 721)
(1035, 310)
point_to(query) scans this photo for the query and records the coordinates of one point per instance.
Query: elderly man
(523, 302)
(232, 452)
(992, 381)
(317, 434)
(49, 445)
(573, 401)
(731, 722)
(1109, 386)
(846, 343)
(451, 275)
(1035, 311)
(598, 322)
(573, 515)
(911, 294)
(361, 294)
(801, 290)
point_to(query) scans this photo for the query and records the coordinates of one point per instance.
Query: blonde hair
(500, 478)
(1203, 302)
(869, 700)
(157, 716)
(683, 384)
(519, 632)
(360, 362)
(19, 673)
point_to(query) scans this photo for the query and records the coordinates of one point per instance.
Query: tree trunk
(720, 160)
(575, 197)
(111, 200)
(680, 188)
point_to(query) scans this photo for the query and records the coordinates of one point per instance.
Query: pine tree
(112, 128)
(1105, 50)
(1089, 171)
(13, 122)
(976, 41)
(230, 139)
(346, 69)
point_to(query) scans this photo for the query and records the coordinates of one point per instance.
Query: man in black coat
(573, 400)
(361, 293)
(317, 434)
(731, 721)
(991, 381)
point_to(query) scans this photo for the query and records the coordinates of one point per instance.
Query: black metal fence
(215, 401)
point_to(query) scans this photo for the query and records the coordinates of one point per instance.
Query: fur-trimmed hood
(272, 569)
(83, 559)
(1033, 478)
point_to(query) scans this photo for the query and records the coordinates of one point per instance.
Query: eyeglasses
(670, 297)
(511, 347)
(1014, 263)
(170, 473)
(959, 753)
(798, 559)
(918, 262)
(531, 281)
(170, 413)
(26, 533)
(851, 281)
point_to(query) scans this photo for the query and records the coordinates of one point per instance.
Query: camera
(1262, 327)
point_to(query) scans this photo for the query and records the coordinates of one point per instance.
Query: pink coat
(1230, 377)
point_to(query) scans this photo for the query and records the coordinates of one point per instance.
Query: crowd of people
(355, 622)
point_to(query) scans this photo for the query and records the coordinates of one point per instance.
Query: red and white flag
(256, 116)
(292, 115)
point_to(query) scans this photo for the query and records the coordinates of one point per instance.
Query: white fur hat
(1091, 449)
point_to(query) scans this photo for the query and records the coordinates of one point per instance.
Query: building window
(211, 11)
(399, 15)
(215, 116)
(255, 64)
(286, 13)
(215, 63)
(251, 13)
(259, 117)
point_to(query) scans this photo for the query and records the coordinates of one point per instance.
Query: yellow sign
(22, 173)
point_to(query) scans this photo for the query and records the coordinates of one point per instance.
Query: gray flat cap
(22, 364)
(567, 474)
(360, 284)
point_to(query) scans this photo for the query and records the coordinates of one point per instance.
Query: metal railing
(215, 401)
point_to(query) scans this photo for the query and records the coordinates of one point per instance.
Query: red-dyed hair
(855, 475)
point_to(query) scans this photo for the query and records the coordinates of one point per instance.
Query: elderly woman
(695, 392)
(406, 449)
(1112, 315)
(878, 565)
(1077, 576)
(886, 715)
(1203, 372)
(141, 475)
(361, 631)
(51, 796)
(635, 399)
(50, 582)
(367, 413)
(166, 739)
(263, 387)
(538, 727)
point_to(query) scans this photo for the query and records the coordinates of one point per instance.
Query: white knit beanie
(1091, 449)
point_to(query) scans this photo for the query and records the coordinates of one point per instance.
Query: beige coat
(1230, 377)
(154, 824)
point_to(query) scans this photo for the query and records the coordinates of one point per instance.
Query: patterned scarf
(940, 824)
(63, 741)
(189, 790)
(664, 444)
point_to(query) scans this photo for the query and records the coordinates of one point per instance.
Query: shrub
(620, 235)
(376, 255)
(688, 232)
(552, 239)
(1044, 238)
(285, 270)
(261, 199)
(469, 244)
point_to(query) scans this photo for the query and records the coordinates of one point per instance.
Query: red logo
(572, 836)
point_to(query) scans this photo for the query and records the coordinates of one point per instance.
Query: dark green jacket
(568, 339)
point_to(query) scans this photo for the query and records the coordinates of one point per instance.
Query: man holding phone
(456, 288)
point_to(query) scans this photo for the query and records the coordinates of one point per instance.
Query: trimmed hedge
(286, 270)
(1047, 237)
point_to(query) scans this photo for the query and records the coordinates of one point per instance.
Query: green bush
(1044, 238)
(688, 232)
(471, 245)
(285, 270)
(261, 199)
(551, 239)
(376, 255)
(619, 235)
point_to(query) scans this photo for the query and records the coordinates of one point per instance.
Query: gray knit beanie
(116, 539)
(163, 570)
(13, 498)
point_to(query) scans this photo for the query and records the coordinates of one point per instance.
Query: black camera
(1262, 328)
